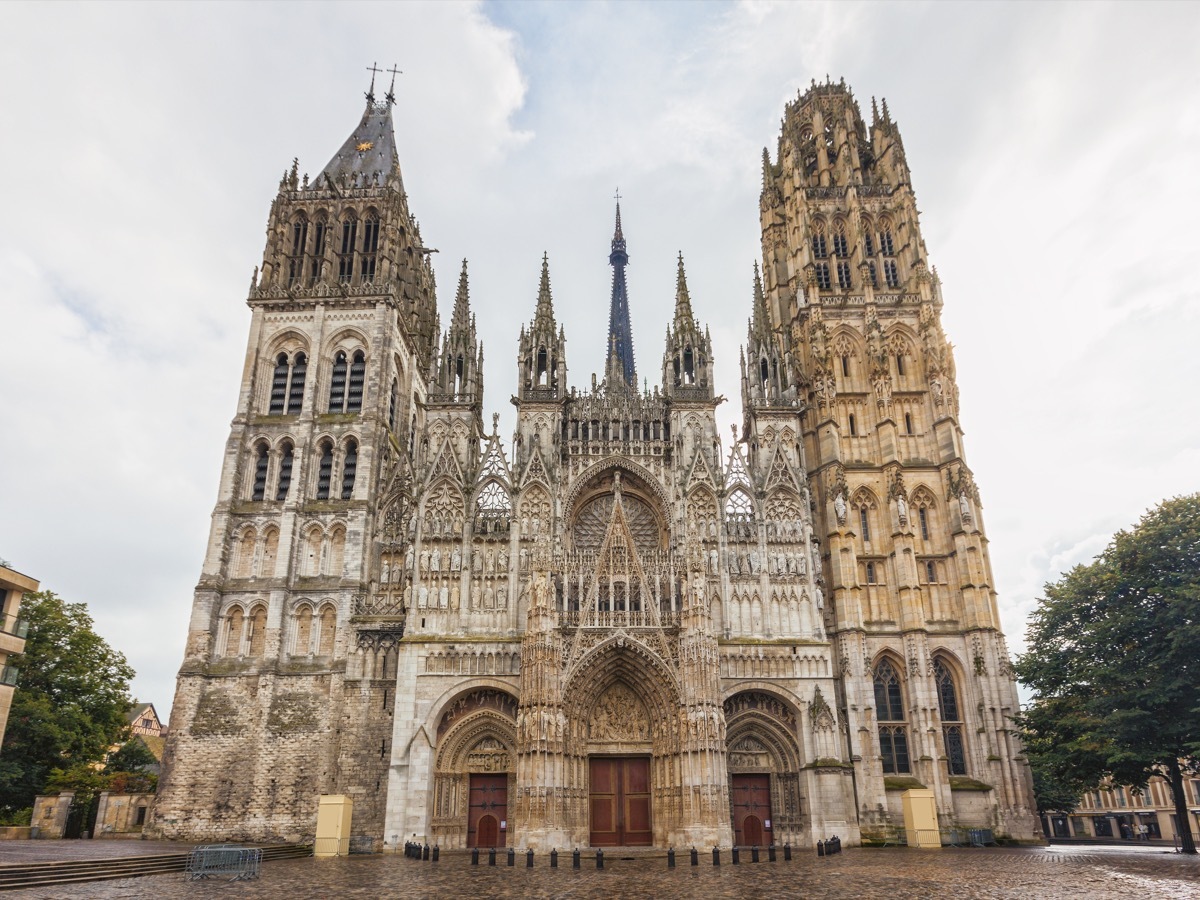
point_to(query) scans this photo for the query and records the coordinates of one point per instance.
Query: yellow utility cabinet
(920, 819)
(333, 825)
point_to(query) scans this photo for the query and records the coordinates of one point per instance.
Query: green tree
(1114, 663)
(70, 704)
(132, 756)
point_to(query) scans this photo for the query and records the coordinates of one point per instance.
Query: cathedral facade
(621, 628)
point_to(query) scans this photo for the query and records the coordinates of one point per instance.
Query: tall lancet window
(349, 468)
(295, 398)
(952, 725)
(358, 371)
(296, 257)
(279, 385)
(370, 249)
(346, 252)
(889, 711)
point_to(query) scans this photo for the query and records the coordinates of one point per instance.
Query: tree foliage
(1114, 661)
(70, 704)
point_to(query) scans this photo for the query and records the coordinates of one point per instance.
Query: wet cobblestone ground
(992, 874)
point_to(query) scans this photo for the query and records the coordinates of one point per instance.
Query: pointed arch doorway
(619, 789)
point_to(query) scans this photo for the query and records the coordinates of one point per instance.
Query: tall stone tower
(282, 700)
(851, 297)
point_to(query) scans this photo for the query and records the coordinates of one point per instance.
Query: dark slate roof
(369, 151)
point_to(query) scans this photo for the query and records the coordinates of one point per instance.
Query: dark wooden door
(751, 810)
(488, 808)
(620, 801)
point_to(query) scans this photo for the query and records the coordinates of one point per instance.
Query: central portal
(620, 801)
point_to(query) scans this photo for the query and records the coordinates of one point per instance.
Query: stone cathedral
(622, 627)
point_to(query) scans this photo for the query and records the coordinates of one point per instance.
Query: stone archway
(764, 761)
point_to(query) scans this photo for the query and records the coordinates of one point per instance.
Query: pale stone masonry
(619, 629)
(13, 586)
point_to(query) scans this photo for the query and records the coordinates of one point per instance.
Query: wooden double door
(620, 801)
(487, 811)
(751, 810)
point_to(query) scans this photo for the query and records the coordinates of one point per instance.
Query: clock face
(364, 146)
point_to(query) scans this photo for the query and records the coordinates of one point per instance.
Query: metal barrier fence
(219, 860)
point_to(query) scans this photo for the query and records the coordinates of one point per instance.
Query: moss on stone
(216, 713)
(963, 783)
(901, 783)
(292, 713)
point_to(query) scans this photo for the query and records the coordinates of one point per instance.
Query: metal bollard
(670, 857)
(474, 856)
(837, 843)
(754, 854)
(554, 858)
(695, 857)
(575, 859)
(599, 859)
(529, 858)
(737, 855)
(512, 857)
(425, 853)
(435, 852)
(820, 848)
(771, 853)
(492, 856)
(716, 856)
(787, 852)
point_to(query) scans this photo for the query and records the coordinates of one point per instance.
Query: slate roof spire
(368, 157)
(620, 335)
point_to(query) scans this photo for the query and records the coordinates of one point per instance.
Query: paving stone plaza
(1091, 872)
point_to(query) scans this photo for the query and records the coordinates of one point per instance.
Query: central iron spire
(620, 337)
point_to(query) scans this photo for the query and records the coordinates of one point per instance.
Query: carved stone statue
(456, 560)
(964, 506)
(435, 560)
(839, 507)
(902, 509)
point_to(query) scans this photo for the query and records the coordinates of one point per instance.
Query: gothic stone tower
(925, 678)
(278, 699)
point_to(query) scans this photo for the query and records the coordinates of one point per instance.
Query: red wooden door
(751, 809)
(620, 801)
(488, 808)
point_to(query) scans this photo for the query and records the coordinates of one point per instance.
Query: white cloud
(1051, 148)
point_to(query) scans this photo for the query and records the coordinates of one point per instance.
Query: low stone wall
(15, 832)
(122, 815)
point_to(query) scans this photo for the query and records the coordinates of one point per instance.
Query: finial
(495, 423)
(390, 96)
(374, 70)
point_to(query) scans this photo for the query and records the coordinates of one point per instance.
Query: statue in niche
(754, 562)
(408, 597)
(902, 509)
(435, 559)
(454, 596)
(964, 506)
(524, 559)
(385, 574)
(443, 596)
(935, 385)
(476, 563)
(476, 594)
(424, 561)
(456, 560)
(488, 598)
(839, 507)
(502, 560)
(712, 562)
(502, 598)
(489, 562)
(408, 560)
(423, 597)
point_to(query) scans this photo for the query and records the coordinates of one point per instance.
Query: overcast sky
(1053, 151)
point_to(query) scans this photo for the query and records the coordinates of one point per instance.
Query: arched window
(302, 631)
(870, 573)
(923, 518)
(886, 246)
(908, 426)
(689, 366)
(310, 564)
(279, 385)
(233, 632)
(820, 248)
(853, 425)
(337, 552)
(244, 564)
(286, 458)
(317, 266)
(864, 523)
(824, 281)
(358, 369)
(337, 383)
(296, 257)
(739, 507)
(370, 248)
(889, 711)
(930, 572)
(328, 624)
(261, 463)
(393, 402)
(952, 725)
(891, 274)
(349, 468)
(324, 470)
(841, 246)
(269, 553)
(257, 627)
(296, 384)
(346, 252)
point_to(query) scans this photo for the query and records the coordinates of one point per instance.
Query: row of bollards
(829, 846)
(416, 850)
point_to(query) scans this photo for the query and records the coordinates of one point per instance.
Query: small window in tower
(542, 368)
(316, 267)
(296, 259)
(346, 255)
(870, 573)
(325, 471)
(853, 425)
(279, 385)
(354, 395)
(393, 400)
(689, 366)
(841, 247)
(843, 272)
(868, 245)
(370, 249)
(864, 522)
(873, 274)
(296, 384)
(285, 472)
(891, 273)
(349, 469)
(820, 250)
(337, 384)
(764, 372)
(261, 461)
(908, 423)
(930, 573)
(845, 365)
(885, 242)
(823, 280)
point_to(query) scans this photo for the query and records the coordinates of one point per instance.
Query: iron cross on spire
(617, 195)
(374, 70)
(390, 96)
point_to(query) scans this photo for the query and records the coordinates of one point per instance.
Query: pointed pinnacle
(462, 306)
(545, 304)
(683, 303)
(617, 235)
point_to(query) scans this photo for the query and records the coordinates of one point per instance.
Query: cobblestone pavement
(993, 874)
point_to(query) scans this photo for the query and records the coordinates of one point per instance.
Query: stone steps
(44, 874)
